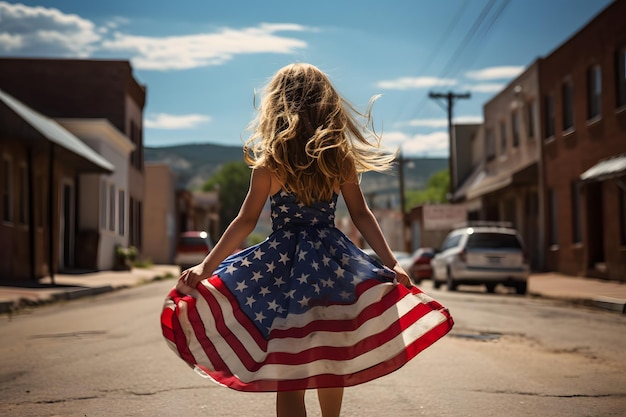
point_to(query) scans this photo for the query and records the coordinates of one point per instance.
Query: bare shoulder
(264, 175)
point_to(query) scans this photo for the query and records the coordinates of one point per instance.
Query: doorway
(66, 225)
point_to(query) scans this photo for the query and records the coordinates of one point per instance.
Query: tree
(437, 188)
(232, 182)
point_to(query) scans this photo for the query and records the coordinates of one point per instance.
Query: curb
(607, 303)
(610, 304)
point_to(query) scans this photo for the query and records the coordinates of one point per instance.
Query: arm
(366, 223)
(236, 232)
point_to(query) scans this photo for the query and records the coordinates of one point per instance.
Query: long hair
(309, 137)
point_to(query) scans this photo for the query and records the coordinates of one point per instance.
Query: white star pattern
(305, 262)
(284, 258)
(274, 244)
(304, 301)
(259, 317)
(303, 278)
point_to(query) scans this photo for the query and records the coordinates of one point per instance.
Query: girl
(305, 308)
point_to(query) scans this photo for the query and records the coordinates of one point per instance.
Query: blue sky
(202, 60)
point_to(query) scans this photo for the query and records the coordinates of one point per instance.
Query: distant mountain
(196, 163)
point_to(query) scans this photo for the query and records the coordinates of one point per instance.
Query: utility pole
(450, 99)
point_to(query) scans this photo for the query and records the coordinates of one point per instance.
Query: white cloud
(406, 83)
(485, 87)
(49, 32)
(171, 122)
(40, 31)
(495, 73)
(467, 119)
(443, 122)
(438, 123)
(431, 144)
(191, 51)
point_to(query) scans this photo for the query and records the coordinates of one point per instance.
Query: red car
(420, 265)
(192, 248)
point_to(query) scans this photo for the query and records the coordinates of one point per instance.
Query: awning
(485, 184)
(605, 169)
(55, 133)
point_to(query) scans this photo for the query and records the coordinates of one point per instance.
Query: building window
(576, 216)
(554, 216)
(122, 208)
(622, 214)
(530, 118)
(594, 92)
(620, 81)
(568, 105)
(502, 138)
(515, 127)
(112, 207)
(41, 196)
(491, 145)
(103, 204)
(7, 190)
(549, 108)
(23, 195)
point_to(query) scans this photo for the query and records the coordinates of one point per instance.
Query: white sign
(443, 216)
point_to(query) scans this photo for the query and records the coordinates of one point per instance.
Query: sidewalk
(72, 286)
(606, 295)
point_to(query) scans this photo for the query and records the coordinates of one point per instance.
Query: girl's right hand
(402, 276)
(190, 278)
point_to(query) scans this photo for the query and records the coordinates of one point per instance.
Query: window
(122, 217)
(23, 195)
(491, 145)
(530, 118)
(576, 218)
(112, 207)
(40, 194)
(567, 91)
(554, 216)
(620, 82)
(515, 127)
(7, 189)
(622, 214)
(594, 92)
(103, 204)
(502, 138)
(549, 108)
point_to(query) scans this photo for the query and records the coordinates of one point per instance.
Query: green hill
(195, 163)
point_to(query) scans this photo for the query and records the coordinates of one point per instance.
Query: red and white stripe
(326, 346)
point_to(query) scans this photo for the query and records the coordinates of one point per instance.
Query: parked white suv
(482, 255)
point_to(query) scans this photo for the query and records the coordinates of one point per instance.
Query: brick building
(98, 102)
(583, 87)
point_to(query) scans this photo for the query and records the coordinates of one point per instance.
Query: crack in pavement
(537, 394)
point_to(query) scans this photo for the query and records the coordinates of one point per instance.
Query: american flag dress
(306, 308)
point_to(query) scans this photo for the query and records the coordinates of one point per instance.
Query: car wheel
(436, 284)
(491, 287)
(520, 288)
(450, 282)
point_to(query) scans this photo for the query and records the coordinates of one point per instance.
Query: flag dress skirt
(303, 309)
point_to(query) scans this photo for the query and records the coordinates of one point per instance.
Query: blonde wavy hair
(309, 137)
